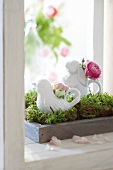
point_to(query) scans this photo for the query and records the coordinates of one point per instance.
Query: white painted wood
(14, 84)
(108, 47)
(1, 87)
(92, 161)
(98, 33)
(72, 156)
(28, 141)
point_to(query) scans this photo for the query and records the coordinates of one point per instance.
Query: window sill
(70, 155)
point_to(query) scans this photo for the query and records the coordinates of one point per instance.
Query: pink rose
(51, 12)
(65, 87)
(92, 70)
(64, 51)
(61, 86)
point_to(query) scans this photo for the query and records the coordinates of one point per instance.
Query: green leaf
(66, 41)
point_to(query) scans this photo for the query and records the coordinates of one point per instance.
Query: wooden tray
(43, 133)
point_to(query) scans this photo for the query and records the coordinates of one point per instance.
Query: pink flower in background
(45, 52)
(65, 51)
(52, 77)
(51, 12)
(92, 70)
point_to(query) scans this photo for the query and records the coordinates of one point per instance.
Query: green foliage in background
(90, 106)
(31, 44)
(42, 31)
(50, 34)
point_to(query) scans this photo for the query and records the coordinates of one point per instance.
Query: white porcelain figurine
(76, 78)
(48, 101)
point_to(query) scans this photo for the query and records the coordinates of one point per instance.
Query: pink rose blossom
(64, 51)
(61, 86)
(55, 141)
(51, 12)
(92, 70)
(66, 87)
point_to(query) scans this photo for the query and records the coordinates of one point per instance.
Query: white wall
(1, 85)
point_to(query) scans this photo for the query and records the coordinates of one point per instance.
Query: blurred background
(52, 41)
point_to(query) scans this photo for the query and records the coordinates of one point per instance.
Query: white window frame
(13, 83)
(98, 34)
(12, 92)
(1, 87)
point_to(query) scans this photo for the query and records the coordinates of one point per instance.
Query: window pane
(75, 17)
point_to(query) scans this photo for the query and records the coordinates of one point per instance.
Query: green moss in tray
(90, 106)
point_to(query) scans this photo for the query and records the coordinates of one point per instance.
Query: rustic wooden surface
(43, 133)
(71, 155)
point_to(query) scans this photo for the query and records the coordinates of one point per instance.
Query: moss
(33, 114)
(90, 106)
(99, 105)
(30, 98)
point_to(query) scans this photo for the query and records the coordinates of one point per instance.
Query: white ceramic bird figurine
(47, 101)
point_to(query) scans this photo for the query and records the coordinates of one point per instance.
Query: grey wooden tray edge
(43, 133)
